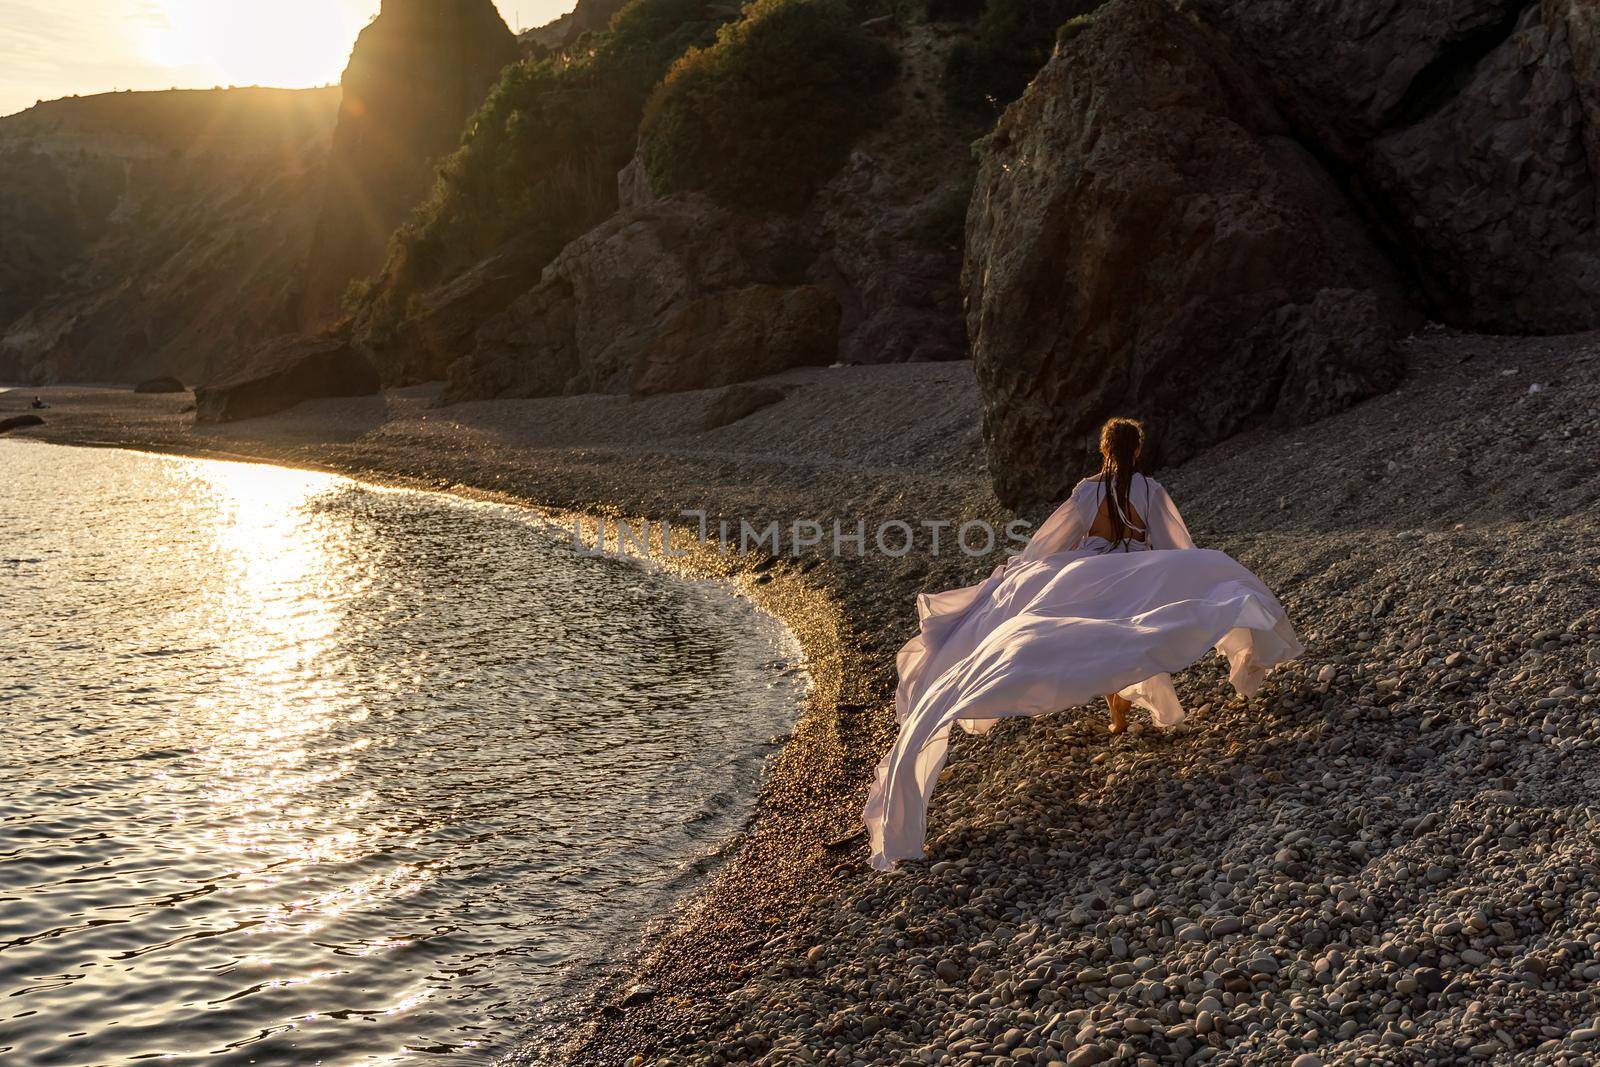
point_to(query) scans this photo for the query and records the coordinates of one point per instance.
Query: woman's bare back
(1103, 526)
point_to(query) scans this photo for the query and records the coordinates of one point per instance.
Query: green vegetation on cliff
(767, 114)
(758, 115)
(539, 160)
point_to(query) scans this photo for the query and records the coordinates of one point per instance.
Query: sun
(284, 43)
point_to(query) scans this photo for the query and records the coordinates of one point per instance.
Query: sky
(54, 48)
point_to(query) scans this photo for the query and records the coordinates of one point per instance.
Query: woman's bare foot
(1119, 713)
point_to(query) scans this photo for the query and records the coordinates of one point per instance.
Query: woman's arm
(1064, 529)
(1167, 528)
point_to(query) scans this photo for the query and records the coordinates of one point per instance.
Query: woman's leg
(1119, 712)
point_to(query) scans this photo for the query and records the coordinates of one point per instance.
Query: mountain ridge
(148, 235)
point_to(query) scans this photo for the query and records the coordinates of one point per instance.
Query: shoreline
(669, 881)
(1305, 874)
(800, 607)
(804, 821)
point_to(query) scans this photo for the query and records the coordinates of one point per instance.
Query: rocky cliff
(723, 281)
(417, 72)
(589, 16)
(157, 234)
(1205, 213)
(1149, 237)
(150, 234)
(1210, 214)
(536, 168)
(1469, 130)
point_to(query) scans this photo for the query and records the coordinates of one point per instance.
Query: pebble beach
(1390, 856)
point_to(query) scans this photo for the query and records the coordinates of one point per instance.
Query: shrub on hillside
(1073, 28)
(767, 114)
(1012, 40)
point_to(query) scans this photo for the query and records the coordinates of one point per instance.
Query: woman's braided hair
(1120, 443)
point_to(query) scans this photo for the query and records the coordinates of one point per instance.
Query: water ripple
(300, 770)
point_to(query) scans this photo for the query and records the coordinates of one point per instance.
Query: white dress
(1069, 619)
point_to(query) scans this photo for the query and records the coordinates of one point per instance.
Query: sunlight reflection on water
(301, 770)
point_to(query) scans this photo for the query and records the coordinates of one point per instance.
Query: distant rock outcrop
(889, 224)
(161, 385)
(146, 234)
(588, 16)
(1148, 238)
(416, 74)
(283, 373)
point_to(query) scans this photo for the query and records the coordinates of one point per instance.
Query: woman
(1108, 598)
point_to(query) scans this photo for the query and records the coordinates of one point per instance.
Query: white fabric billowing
(1069, 619)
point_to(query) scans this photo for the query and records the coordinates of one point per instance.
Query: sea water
(299, 770)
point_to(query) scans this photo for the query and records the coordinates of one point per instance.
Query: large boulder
(416, 74)
(1583, 38)
(1347, 70)
(1470, 129)
(1496, 190)
(1148, 238)
(281, 374)
(19, 422)
(161, 385)
(671, 295)
(738, 402)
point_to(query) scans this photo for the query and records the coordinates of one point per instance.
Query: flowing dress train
(1069, 619)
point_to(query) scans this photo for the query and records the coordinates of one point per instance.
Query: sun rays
(56, 48)
(287, 43)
